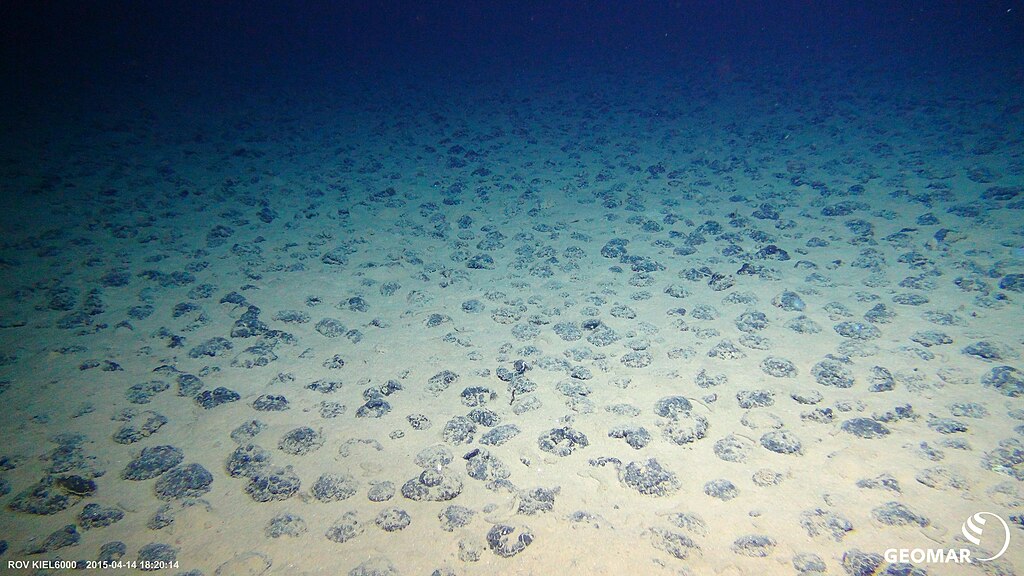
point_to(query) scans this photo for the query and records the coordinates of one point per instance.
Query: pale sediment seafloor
(696, 331)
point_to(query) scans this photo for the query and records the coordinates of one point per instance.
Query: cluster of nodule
(373, 347)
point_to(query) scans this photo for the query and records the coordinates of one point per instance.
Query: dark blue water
(171, 45)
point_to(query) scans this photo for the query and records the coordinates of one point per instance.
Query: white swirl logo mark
(973, 528)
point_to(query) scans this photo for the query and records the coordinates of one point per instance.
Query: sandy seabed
(717, 325)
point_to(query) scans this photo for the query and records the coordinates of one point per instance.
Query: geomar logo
(974, 527)
(973, 530)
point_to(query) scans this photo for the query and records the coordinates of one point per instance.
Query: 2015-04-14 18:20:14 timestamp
(146, 565)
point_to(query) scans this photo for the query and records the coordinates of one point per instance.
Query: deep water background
(76, 47)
